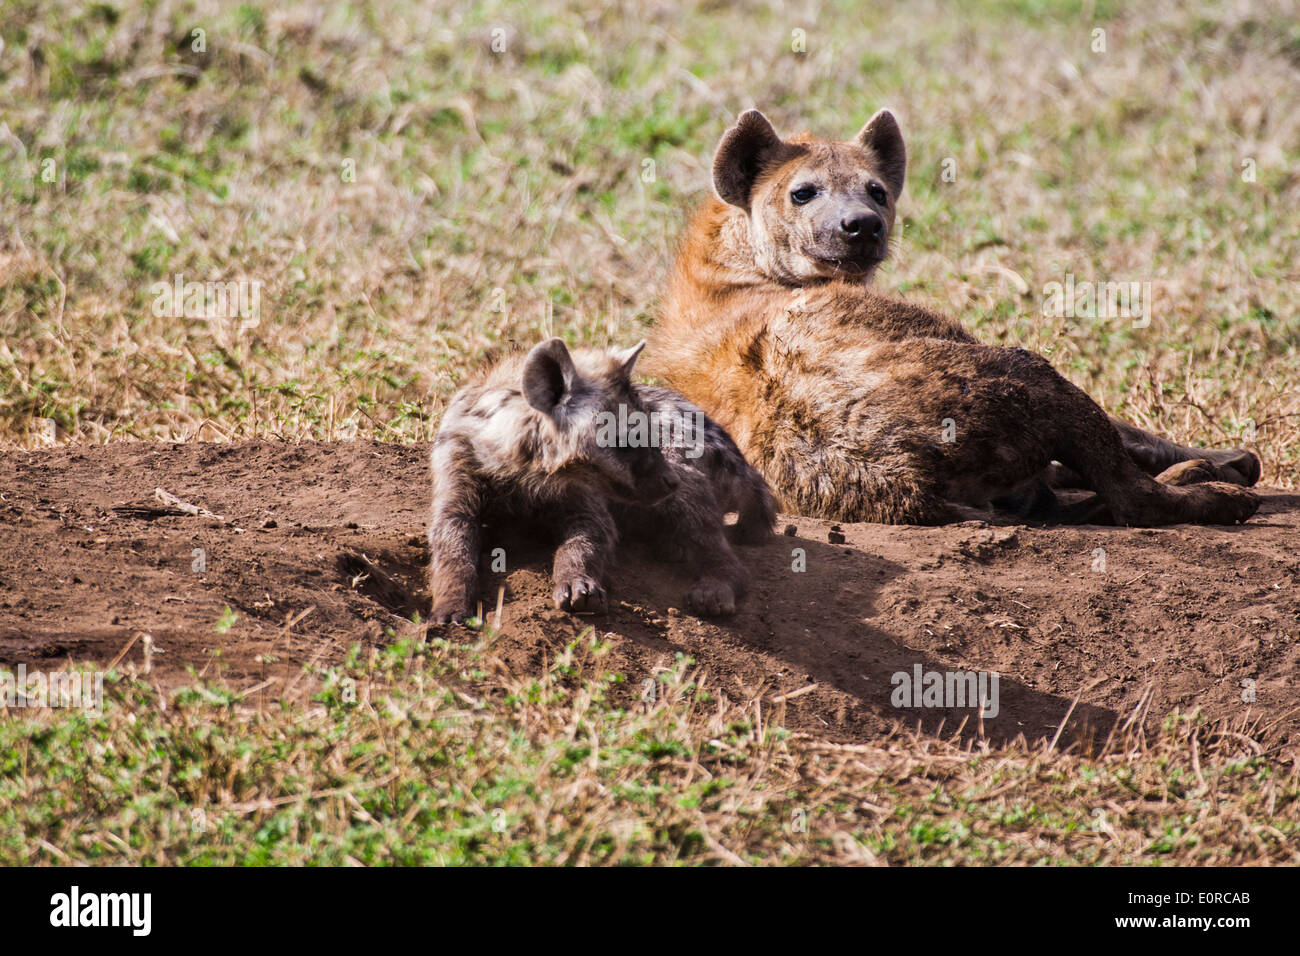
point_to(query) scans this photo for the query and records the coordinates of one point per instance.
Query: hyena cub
(568, 438)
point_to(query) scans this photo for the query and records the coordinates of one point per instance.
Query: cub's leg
(583, 558)
(454, 531)
(693, 518)
(738, 487)
(755, 517)
(702, 447)
(721, 580)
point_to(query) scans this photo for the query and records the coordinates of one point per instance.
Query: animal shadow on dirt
(393, 582)
(820, 621)
(824, 620)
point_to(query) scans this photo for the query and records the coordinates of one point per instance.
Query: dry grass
(498, 193)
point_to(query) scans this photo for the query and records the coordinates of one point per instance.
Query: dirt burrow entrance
(91, 558)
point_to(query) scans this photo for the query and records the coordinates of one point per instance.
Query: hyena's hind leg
(1155, 455)
(1159, 456)
(1039, 502)
(454, 531)
(754, 518)
(692, 518)
(1090, 444)
(741, 489)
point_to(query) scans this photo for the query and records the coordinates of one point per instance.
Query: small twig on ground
(171, 501)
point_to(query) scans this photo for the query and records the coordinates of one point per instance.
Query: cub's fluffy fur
(532, 436)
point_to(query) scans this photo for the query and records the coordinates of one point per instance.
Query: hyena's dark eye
(803, 195)
(877, 192)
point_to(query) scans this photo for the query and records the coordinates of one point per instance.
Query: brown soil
(90, 560)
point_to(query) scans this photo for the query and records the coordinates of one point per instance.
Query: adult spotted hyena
(863, 407)
(568, 440)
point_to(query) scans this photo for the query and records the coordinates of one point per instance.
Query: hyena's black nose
(862, 226)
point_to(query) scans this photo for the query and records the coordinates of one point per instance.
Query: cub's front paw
(449, 612)
(710, 597)
(580, 594)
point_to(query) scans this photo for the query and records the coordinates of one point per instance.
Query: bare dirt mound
(91, 558)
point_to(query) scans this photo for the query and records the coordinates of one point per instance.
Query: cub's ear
(739, 158)
(549, 376)
(882, 136)
(627, 357)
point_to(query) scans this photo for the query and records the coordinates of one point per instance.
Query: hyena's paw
(1192, 472)
(710, 597)
(449, 613)
(1242, 471)
(749, 532)
(1236, 466)
(579, 593)
(1216, 502)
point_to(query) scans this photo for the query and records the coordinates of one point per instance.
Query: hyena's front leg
(454, 531)
(583, 557)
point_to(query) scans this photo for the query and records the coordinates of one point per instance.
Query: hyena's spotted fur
(858, 406)
(522, 440)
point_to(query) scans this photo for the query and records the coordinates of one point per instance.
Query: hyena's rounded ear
(549, 375)
(882, 136)
(739, 158)
(627, 357)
